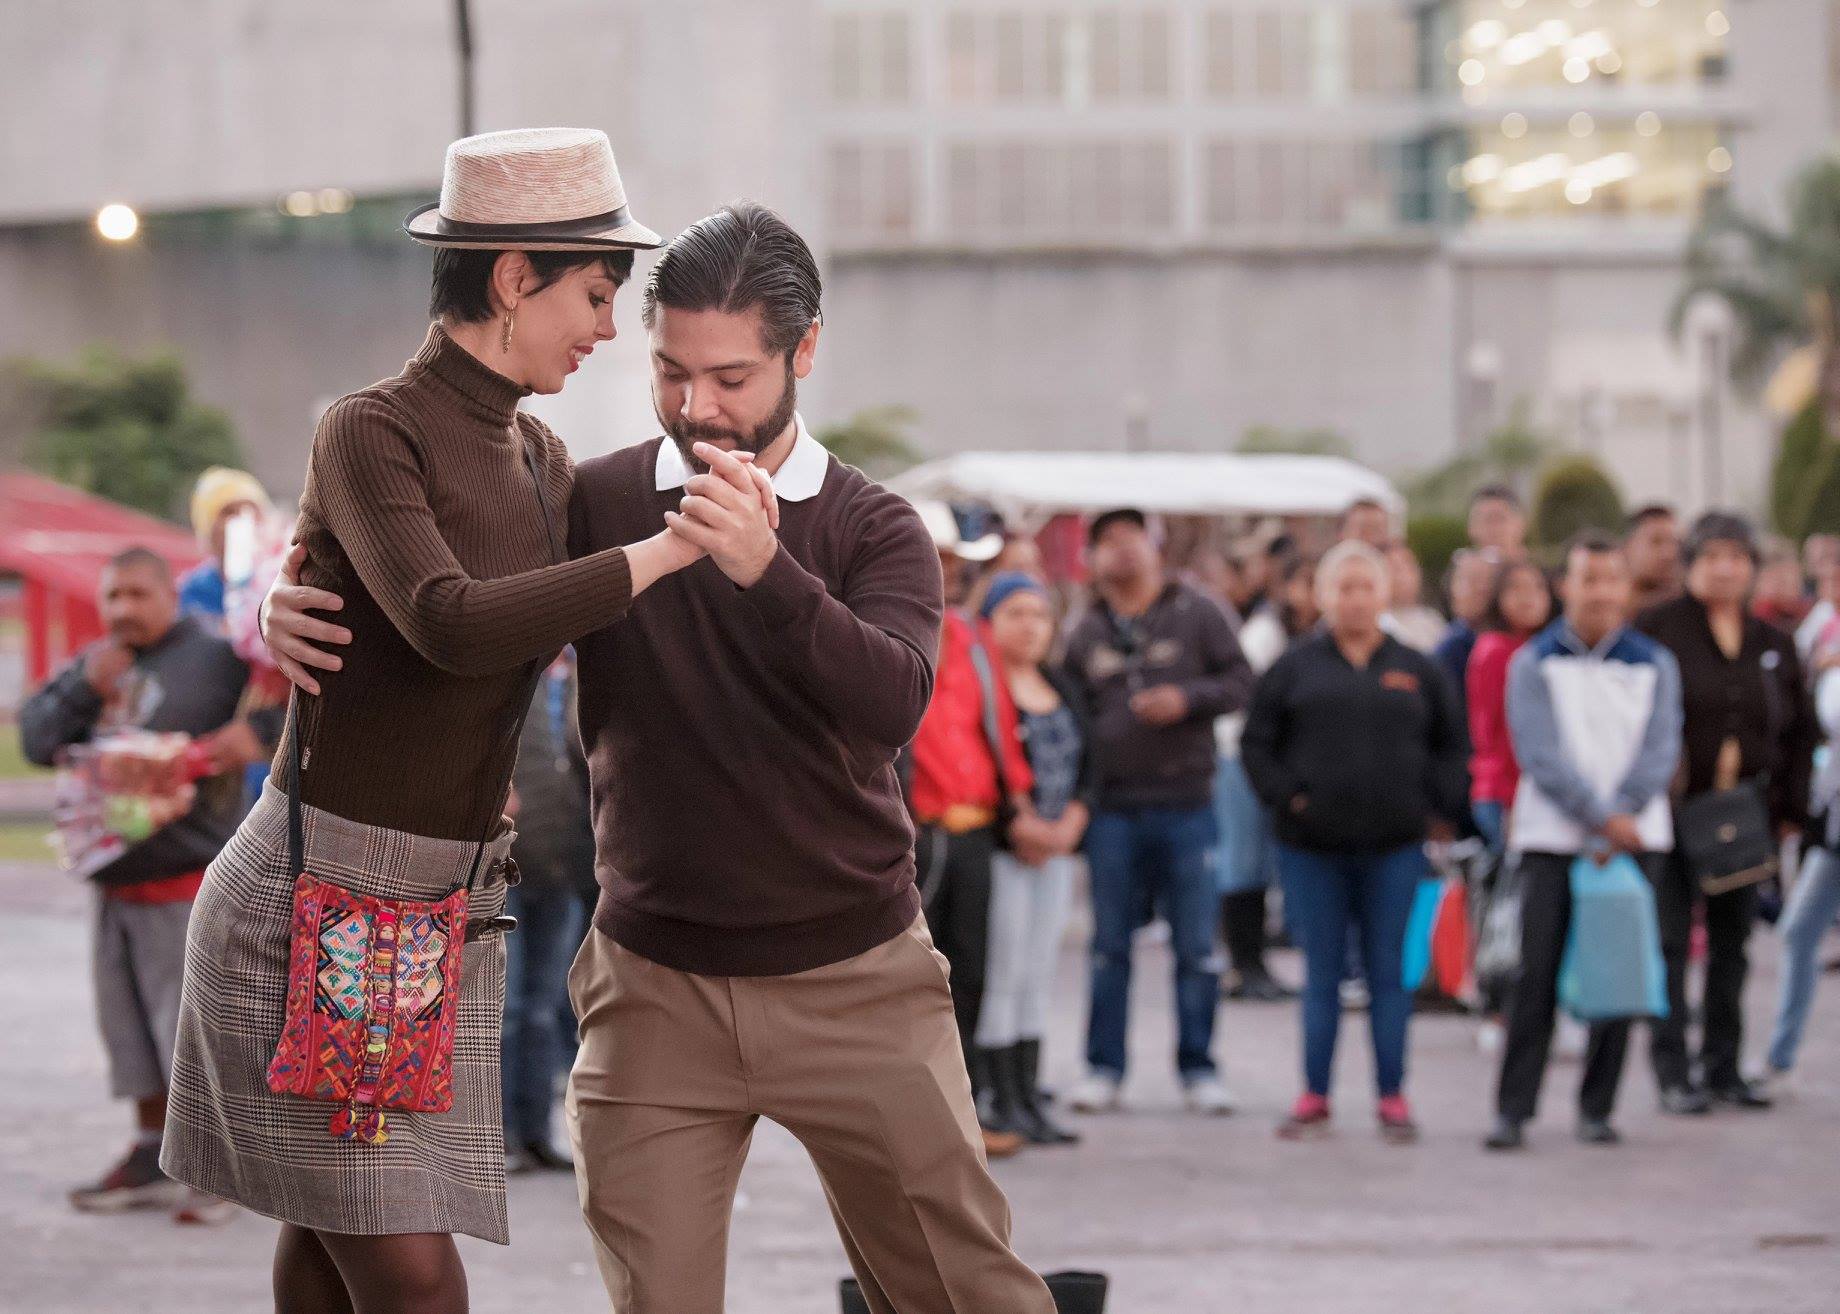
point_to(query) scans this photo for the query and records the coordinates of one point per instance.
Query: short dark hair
(461, 289)
(1643, 514)
(1106, 519)
(741, 257)
(1495, 493)
(138, 557)
(1593, 543)
(1722, 527)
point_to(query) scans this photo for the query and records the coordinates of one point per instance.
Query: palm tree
(1781, 285)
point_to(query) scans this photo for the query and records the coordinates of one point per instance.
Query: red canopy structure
(56, 540)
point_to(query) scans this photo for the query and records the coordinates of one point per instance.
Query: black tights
(334, 1273)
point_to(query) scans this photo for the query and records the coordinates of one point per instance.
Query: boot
(1032, 1115)
(995, 1088)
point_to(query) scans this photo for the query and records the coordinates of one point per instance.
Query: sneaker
(1739, 1094)
(1491, 1036)
(1396, 1124)
(1354, 996)
(201, 1210)
(1685, 1101)
(1309, 1119)
(1773, 1083)
(1597, 1131)
(1505, 1135)
(137, 1182)
(1097, 1092)
(1209, 1097)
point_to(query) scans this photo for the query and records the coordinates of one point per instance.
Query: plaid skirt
(228, 1134)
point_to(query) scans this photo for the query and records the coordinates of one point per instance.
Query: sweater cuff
(781, 592)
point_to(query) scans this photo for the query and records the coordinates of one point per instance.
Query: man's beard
(687, 434)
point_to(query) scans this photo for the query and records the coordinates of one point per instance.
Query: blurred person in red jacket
(969, 776)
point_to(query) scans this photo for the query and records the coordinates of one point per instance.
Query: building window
(1295, 184)
(1008, 55)
(870, 60)
(1130, 54)
(1581, 167)
(1557, 45)
(872, 190)
(1109, 190)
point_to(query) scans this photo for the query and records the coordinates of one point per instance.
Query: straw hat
(531, 189)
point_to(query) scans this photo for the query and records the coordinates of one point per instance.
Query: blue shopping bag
(1612, 966)
(1416, 963)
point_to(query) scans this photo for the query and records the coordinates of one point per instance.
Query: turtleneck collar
(482, 390)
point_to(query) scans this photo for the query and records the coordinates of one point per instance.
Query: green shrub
(1798, 460)
(1574, 493)
(1434, 539)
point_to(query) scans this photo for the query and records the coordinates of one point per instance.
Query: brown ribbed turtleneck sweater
(419, 512)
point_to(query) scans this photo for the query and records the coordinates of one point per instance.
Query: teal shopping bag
(1612, 966)
(1416, 964)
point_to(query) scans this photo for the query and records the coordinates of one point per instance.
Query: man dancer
(759, 950)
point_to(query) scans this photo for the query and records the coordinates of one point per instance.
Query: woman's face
(1722, 574)
(1354, 597)
(1525, 602)
(553, 330)
(1022, 629)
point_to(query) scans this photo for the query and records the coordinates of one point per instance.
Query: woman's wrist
(651, 559)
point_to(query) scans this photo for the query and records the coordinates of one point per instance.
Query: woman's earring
(504, 340)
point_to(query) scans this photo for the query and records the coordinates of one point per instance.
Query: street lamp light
(117, 223)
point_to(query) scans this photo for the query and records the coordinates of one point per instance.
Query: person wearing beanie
(1749, 724)
(221, 495)
(1032, 874)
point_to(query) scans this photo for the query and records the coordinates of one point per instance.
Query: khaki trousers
(859, 1060)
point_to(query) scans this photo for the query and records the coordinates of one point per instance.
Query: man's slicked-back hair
(741, 257)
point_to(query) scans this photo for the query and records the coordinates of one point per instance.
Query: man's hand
(730, 513)
(1166, 704)
(1439, 831)
(291, 633)
(1623, 833)
(233, 748)
(105, 665)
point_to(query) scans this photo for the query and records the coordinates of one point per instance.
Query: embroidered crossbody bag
(373, 984)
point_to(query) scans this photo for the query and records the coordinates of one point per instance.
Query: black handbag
(1725, 837)
(1074, 1293)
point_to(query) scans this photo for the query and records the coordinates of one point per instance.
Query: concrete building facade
(1046, 223)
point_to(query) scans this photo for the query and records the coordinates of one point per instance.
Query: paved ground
(1738, 1214)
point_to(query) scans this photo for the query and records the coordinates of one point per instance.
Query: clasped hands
(729, 513)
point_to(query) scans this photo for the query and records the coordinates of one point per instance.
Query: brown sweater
(419, 511)
(741, 743)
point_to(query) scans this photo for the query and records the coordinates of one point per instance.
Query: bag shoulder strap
(297, 835)
(987, 698)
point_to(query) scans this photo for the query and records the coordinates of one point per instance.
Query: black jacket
(1759, 699)
(1356, 760)
(1184, 639)
(190, 681)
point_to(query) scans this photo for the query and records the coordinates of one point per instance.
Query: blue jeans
(537, 958)
(1325, 895)
(1813, 904)
(1161, 854)
(1243, 859)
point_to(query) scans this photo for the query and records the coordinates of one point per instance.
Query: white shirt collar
(800, 476)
